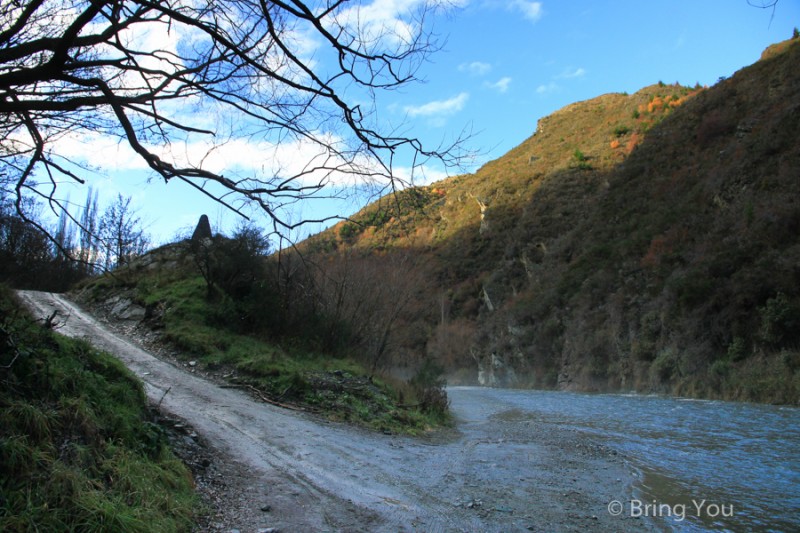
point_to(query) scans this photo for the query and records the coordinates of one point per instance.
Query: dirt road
(499, 470)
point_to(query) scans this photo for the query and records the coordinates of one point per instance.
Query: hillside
(644, 242)
(225, 308)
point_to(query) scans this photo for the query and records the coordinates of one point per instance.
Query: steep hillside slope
(647, 241)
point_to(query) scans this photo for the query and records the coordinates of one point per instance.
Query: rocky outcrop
(202, 231)
(495, 371)
(123, 308)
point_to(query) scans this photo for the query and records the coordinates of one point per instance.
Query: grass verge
(78, 450)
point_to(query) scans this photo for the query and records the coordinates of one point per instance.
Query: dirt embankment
(263, 467)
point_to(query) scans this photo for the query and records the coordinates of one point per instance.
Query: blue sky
(507, 64)
(503, 65)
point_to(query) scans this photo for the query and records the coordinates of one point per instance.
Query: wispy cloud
(680, 41)
(572, 73)
(439, 107)
(500, 85)
(530, 10)
(548, 88)
(476, 68)
(422, 175)
(382, 22)
(242, 158)
(569, 73)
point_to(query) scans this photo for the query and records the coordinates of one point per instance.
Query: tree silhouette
(121, 234)
(161, 76)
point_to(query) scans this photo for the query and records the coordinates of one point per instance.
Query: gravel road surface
(499, 469)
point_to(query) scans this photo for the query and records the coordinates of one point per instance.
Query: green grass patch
(77, 449)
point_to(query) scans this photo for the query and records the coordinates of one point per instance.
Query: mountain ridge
(634, 242)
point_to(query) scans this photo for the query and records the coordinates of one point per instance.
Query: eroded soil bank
(264, 467)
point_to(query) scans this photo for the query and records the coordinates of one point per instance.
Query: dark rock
(203, 230)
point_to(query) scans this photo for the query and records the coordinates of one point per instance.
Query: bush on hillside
(429, 387)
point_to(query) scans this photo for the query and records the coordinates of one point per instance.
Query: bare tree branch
(204, 72)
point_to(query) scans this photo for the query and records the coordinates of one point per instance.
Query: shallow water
(706, 465)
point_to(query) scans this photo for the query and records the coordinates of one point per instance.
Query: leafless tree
(377, 297)
(163, 75)
(121, 234)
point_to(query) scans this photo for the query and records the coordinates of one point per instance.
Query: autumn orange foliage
(635, 139)
(656, 104)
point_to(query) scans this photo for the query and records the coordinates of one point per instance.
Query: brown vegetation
(645, 241)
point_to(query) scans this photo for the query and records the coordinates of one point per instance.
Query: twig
(51, 323)
(11, 344)
(158, 405)
(273, 402)
(281, 395)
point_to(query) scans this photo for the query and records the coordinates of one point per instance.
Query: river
(705, 465)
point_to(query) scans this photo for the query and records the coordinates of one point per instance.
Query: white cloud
(680, 41)
(421, 175)
(530, 10)
(548, 88)
(569, 73)
(572, 73)
(439, 107)
(500, 85)
(476, 68)
(240, 158)
(388, 22)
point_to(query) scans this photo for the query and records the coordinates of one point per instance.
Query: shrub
(720, 368)
(644, 345)
(348, 231)
(664, 366)
(619, 131)
(714, 124)
(780, 321)
(633, 142)
(737, 349)
(693, 289)
(429, 387)
(656, 104)
(581, 160)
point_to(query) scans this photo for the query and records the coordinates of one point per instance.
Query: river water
(705, 465)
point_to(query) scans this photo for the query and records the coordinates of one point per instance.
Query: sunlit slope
(645, 241)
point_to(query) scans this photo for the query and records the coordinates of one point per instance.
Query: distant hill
(644, 242)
